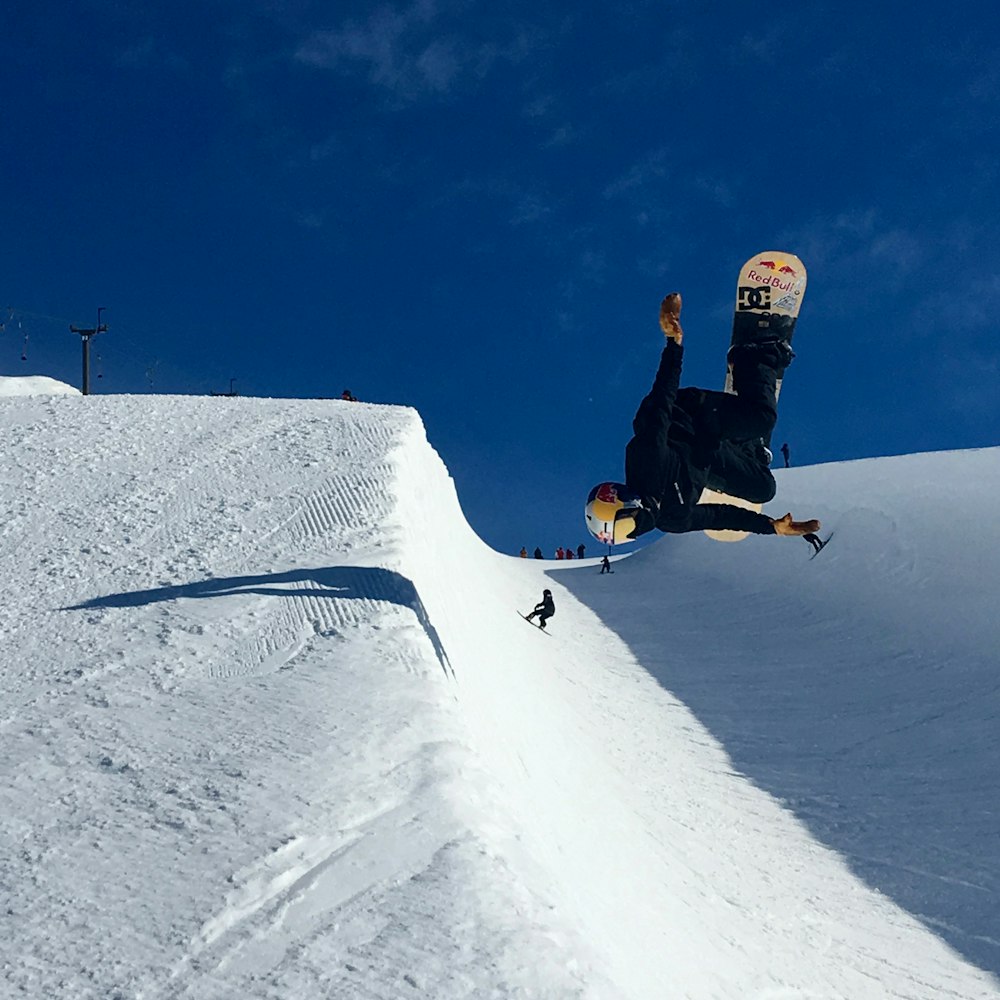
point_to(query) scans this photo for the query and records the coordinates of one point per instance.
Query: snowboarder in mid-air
(544, 609)
(687, 439)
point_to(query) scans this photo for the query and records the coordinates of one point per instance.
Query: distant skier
(786, 455)
(581, 550)
(538, 553)
(524, 552)
(606, 565)
(544, 609)
(687, 439)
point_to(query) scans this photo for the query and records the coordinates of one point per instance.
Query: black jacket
(546, 607)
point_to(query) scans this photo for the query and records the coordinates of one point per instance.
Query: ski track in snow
(271, 730)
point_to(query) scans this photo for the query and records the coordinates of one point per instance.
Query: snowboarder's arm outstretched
(727, 517)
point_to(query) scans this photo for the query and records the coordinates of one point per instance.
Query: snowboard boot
(774, 353)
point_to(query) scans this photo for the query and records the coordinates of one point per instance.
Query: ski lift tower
(86, 334)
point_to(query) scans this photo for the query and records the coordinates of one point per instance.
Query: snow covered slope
(271, 728)
(35, 385)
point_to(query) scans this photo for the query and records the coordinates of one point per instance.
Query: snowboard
(769, 294)
(533, 625)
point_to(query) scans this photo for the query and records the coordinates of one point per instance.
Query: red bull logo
(770, 279)
(608, 492)
(781, 268)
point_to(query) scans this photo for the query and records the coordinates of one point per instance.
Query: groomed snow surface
(272, 728)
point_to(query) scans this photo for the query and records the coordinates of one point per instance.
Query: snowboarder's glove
(670, 317)
(786, 526)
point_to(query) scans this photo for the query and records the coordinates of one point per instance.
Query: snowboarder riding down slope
(545, 609)
(687, 439)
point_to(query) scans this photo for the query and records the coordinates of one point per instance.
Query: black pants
(722, 432)
(739, 470)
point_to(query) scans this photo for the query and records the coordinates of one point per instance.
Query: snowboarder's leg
(752, 412)
(740, 468)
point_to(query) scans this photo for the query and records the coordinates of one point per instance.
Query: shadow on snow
(884, 747)
(341, 582)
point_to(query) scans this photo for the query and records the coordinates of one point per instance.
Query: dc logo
(754, 297)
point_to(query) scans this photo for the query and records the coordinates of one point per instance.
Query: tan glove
(786, 526)
(670, 317)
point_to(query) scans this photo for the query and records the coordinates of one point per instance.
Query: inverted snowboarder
(687, 438)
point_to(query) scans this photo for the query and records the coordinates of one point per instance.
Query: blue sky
(475, 210)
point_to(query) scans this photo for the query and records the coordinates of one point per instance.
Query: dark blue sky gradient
(475, 210)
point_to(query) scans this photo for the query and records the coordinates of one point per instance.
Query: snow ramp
(272, 729)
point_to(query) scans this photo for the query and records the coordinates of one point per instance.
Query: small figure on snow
(580, 550)
(538, 553)
(687, 439)
(544, 609)
(786, 455)
(606, 565)
(524, 552)
(560, 553)
(815, 541)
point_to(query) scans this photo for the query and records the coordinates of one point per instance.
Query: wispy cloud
(867, 265)
(412, 52)
(721, 191)
(382, 43)
(149, 53)
(653, 166)
(524, 206)
(563, 135)
(765, 44)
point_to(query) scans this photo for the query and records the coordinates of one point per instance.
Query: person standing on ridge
(544, 609)
(786, 455)
(687, 439)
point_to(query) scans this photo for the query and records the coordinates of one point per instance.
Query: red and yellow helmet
(610, 512)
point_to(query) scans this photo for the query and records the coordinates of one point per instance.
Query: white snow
(35, 385)
(271, 727)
